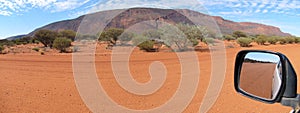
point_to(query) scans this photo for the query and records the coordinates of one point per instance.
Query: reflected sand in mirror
(260, 75)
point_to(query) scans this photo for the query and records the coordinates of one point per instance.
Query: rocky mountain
(131, 17)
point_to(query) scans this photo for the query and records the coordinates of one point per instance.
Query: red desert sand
(37, 83)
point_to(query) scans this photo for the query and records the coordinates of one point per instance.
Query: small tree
(261, 39)
(182, 36)
(46, 37)
(195, 32)
(26, 40)
(62, 44)
(238, 34)
(111, 35)
(228, 37)
(70, 34)
(244, 42)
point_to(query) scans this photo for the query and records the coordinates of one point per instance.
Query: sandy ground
(257, 79)
(35, 83)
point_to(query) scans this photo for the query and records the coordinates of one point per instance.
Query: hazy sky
(23, 16)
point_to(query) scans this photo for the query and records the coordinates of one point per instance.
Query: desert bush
(1, 49)
(272, 40)
(282, 40)
(6, 42)
(181, 37)
(290, 40)
(209, 41)
(239, 34)
(297, 40)
(195, 42)
(17, 42)
(244, 42)
(261, 40)
(26, 40)
(62, 44)
(36, 49)
(146, 45)
(228, 37)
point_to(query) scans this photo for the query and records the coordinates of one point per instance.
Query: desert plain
(32, 83)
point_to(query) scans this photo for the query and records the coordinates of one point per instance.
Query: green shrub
(282, 40)
(209, 41)
(290, 40)
(261, 40)
(62, 44)
(46, 37)
(146, 45)
(195, 42)
(70, 34)
(228, 37)
(36, 49)
(239, 34)
(6, 42)
(1, 49)
(244, 42)
(297, 40)
(272, 40)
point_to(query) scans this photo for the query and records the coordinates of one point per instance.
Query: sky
(263, 57)
(19, 17)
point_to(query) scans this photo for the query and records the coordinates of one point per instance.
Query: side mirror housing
(264, 76)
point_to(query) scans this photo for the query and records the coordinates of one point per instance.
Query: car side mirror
(264, 76)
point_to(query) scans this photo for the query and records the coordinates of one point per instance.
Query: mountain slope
(133, 16)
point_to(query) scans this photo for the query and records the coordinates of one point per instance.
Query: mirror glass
(261, 75)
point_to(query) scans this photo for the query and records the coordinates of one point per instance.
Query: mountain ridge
(132, 16)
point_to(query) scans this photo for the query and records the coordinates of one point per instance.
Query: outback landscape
(37, 75)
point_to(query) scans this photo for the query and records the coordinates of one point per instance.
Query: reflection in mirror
(261, 75)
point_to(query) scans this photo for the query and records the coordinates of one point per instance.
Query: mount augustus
(133, 16)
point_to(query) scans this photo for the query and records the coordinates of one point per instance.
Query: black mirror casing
(288, 77)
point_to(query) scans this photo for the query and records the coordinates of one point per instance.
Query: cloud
(68, 5)
(257, 6)
(265, 11)
(257, 11)
(5, 13)
(231, 13)
(164, 4)
(10, 7)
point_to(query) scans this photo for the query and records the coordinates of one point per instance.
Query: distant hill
(135, 15)
(15, 37)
